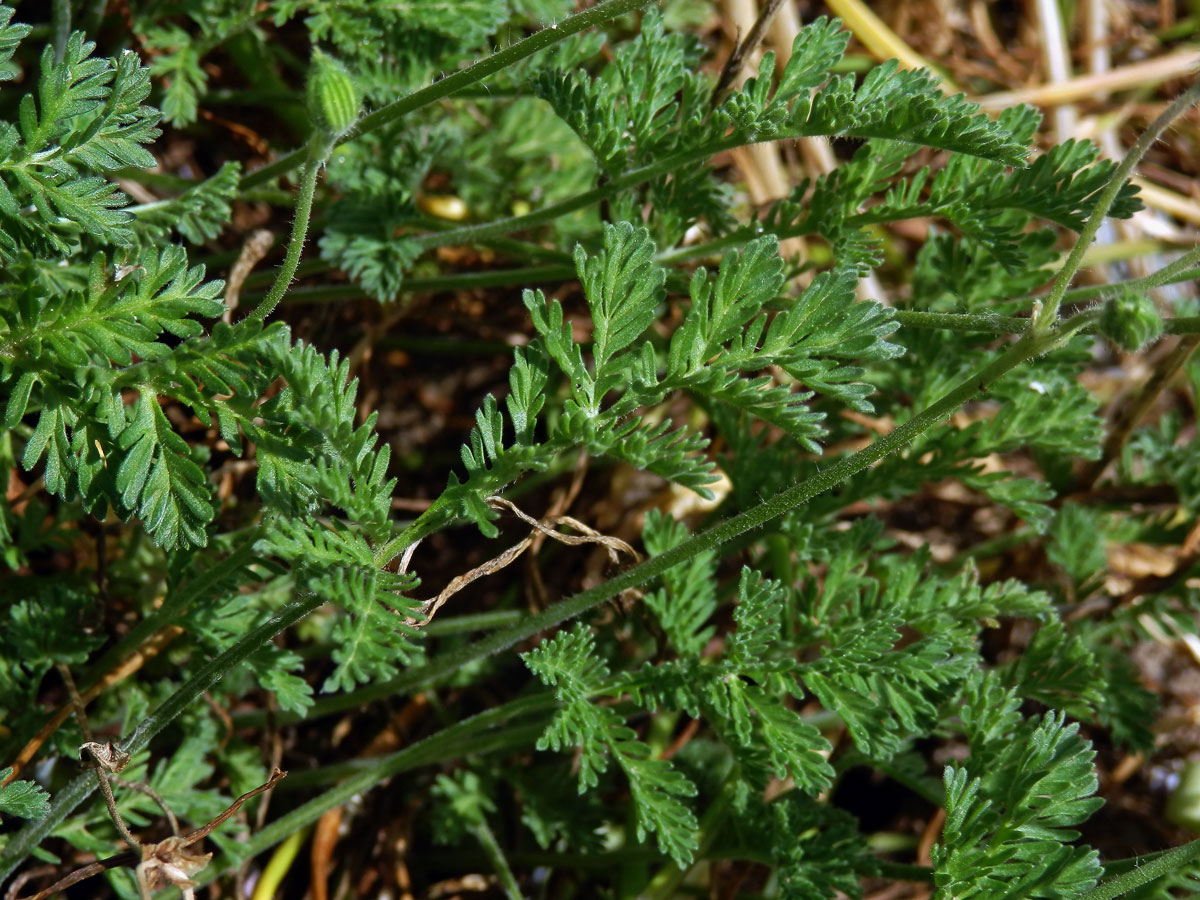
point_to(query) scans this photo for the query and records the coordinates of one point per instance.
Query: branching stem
(1049, 311)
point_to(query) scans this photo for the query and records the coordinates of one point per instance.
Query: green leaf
(1007, 826)
(25, 799)
(10, 37)
(199, 214)
(687, 598)
(569, 664)
(85, 119)
(159, 479)
(624, 288)
(722, 307)
(177, 64)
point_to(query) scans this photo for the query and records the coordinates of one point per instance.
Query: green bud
(1130, 320)
(1183, 806)
(333, 97)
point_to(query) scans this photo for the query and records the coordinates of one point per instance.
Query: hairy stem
(101, 775)
(468, 736)
(1163, 864)
(142, 641)
(1049, 311)
(666, 881)
(987, 323)
(539, 40)
(486, 231)
(60, 25)
(319, 148)
(495, 855)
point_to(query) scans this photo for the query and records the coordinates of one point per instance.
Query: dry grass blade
(1135, 75)
(545, 527)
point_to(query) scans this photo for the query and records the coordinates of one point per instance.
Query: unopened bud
(333, 97)
(1130, 320)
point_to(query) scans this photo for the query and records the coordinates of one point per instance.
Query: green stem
(1179, 270)
(508, 740)
(979, 323)
(176, 603)
(319, 148)
(252, 56)
(1049, 312)
(984, 549)
(495, 855)
(539, 40)
(455, 282)
(484, 621)
(486, 231)
(1163, 864)
(1131, 408)
(78, 790)
(986, 323)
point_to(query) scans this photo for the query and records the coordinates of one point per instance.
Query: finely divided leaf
(624, 288)
(569, 664)
(1008, 826)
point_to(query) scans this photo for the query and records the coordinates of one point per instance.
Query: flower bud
(333, 97)
(1130, 320)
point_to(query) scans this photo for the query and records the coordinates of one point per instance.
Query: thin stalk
(253, 57)
(175, 604)
(904, 871)
(486, 231)
(1164, 864)
(319, 148)
(1177, 270)
(987, 323)
(744, 48)
(508, 740)
(280, 864)
(1049, 312)
(455, 282)
(113, 813)
(80, 788)
(539, 40)
(978, 323)
(473, 622)
(1158, 279)
(495, 855)
(992, 547)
